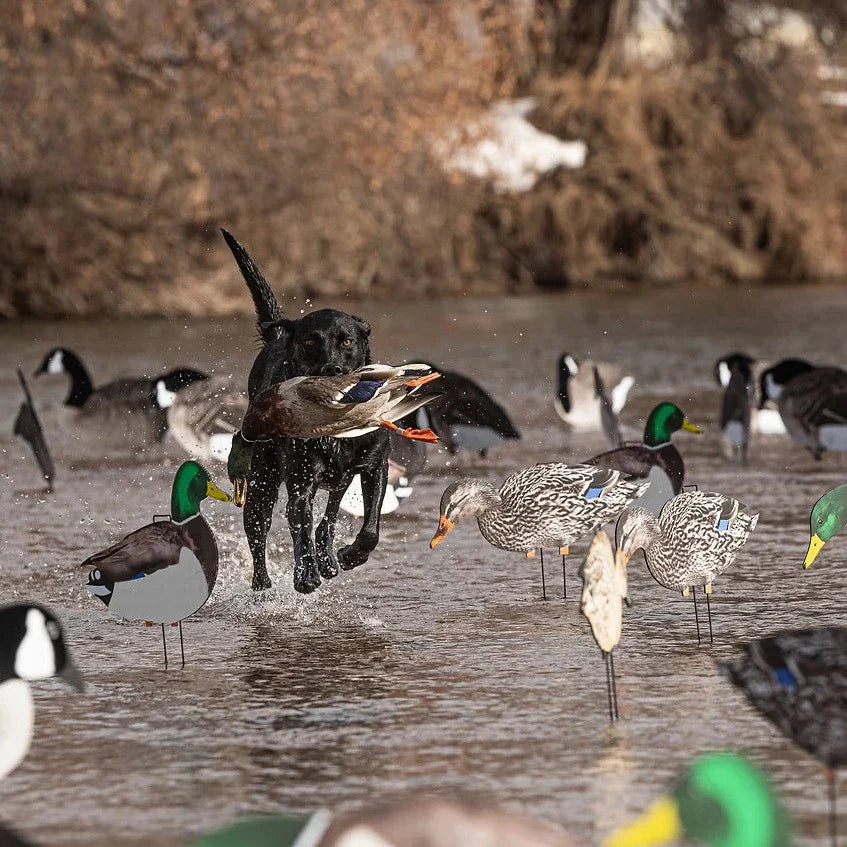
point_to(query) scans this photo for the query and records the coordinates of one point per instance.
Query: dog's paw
(261, 581)
(352, 556)
(327, 564)
(306, 577)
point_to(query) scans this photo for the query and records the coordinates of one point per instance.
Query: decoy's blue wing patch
(593, 493)
(361, 392)
(723, 524)
(785, 677)
(140, 575)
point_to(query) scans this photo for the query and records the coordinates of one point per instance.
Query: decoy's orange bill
(815, 545)
(444, 526)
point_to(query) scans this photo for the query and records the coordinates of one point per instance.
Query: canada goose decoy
(465, 416)
(695, 539)
(812, 402)
(576, 401)
(406, 459)
(719, 800)
(735, 406)
(413, 821)
(203, 416)
(604, 589)
(608, 418)
(828, 517)
(655, 459)
(28, 427)
(764, 416)
(549, 505)
(165, 571)
(32, 646)
(798, 681)
(127, 407)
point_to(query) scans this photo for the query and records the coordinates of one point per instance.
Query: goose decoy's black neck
(775, 378)
(568, 368)
(61, 359)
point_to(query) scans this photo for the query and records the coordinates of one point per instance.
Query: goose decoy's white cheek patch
(55, 365)
(723, 374)
(35, 657)
(164, 397)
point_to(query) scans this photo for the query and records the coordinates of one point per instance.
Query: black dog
(325, 342)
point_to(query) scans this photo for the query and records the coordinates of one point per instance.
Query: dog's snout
(331, 370)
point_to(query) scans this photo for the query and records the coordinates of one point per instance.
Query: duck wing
(536, 483)
(151, 548)
(633, 460)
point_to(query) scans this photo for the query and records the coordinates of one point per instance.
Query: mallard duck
(465, 416)
(719, 800)
(604, 587)
(764, 416)
(28, 427)
(812, 403)
(829, 516)
(344, 406)
(127, 408)
(548, 505)
(203, 416)
(406, 459)
(656, 458)
(410, 822)
(165, 571)
(32, 646)
(576, 401)
(798, 681)
(695, 539)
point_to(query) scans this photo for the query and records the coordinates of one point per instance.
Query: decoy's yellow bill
(444, 526)
(691, 427)
(815, 545)
(212, 490)
(660, 824)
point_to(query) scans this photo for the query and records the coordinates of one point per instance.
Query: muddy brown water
(422, 670)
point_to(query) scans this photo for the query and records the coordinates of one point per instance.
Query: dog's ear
(363, 325)
(271, 330)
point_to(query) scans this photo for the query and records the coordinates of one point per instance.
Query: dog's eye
(348, 342)
(310, 343)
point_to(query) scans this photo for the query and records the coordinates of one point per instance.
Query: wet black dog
(323, 342)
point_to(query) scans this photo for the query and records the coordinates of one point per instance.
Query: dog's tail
(268, 310)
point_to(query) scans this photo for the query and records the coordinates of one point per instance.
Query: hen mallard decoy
(203, 416)
(465, 416)
(798, 681)
(32, 646)
(576, 401)
(719, 800)
(128, 407)
(165, 571)
(604, 589)
(547, 505)
(693, 541)
(764, 416)
(812, 403)
(829, 516)
(655, 459)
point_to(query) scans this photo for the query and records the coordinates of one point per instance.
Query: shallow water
(422, 670)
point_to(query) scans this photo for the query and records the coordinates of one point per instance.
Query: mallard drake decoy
(127, 407)
(409, 822)
(203, 416)
(32, 646)
(798, 681)
(812, 403)
(719, 800)
(828, 517)
(655, 459)
(406, 459)
(695, 539)
(576, 401)
(764, 416)
(604, 589)
(548, 505)
(28, 427)
(165, 571)
(465, 416)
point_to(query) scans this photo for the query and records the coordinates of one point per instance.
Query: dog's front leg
(325, 533)
(373, 490)
(301, 492)
(262, 493)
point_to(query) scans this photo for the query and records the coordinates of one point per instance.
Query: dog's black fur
(323, 342)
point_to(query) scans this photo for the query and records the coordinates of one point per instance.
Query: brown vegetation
(306, 127)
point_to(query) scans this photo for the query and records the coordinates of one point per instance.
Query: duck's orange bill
(422, 380)
(444, 526)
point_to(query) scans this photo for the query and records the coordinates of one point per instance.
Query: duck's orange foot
(412, 434)
(148, 623)
(175, 624)
(422, 380)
